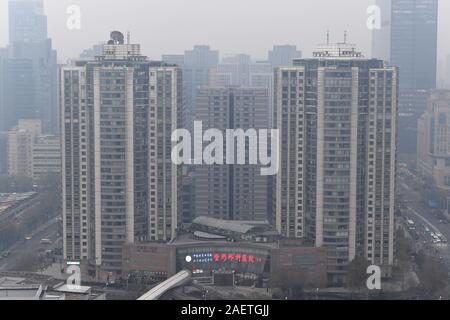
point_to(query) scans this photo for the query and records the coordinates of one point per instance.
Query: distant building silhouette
(30, 67)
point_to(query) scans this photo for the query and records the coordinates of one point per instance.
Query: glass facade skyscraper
(32, 59)
(414, 26)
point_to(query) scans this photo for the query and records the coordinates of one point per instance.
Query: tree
(30, 263)
(10, 233)
(293, 282)
(357, 273)
(433, 276)
(404, 246)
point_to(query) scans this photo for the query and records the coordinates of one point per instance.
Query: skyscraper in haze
(119, 183)
(198, 64)
(232, 192)
(381, 38)
(337, 116)
(32, 59)
(27, 21)
(236, 70)
(414, 26)
(408, 40)
(3, 57)
(447, 72)
(283, 55)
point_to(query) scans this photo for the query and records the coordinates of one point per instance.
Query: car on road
(411, 225)
(28, 238)
(436, 241)
(46, 241)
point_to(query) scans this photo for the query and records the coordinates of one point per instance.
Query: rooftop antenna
(345, 36)
(128, 37)
(328, 36)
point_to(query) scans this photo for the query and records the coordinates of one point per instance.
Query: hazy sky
(232, 26)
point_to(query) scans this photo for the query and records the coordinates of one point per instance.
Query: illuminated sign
(238, 257)
(223, 257)
(200, 258)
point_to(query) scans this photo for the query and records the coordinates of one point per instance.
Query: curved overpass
(177, 280)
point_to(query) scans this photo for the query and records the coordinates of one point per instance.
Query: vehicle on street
(46, 241)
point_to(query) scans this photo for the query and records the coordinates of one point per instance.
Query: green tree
(433, 277)
(357, 273)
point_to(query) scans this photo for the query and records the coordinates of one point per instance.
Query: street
(424, 218)
(26, 247)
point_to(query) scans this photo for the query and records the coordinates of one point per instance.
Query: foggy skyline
(171, 26)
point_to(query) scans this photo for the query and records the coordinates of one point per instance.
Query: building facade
(198, 64)
(119, 183)
(20, 143)
(447, 73)
(232, 192)
(46, 157)
(381, 38)
(408, 40)
(414, 26)
(337, 116)
(283, 55)
(433, 145)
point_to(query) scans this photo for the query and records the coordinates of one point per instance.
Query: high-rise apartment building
(337, 116)
(197, 65)
(283, 55)
(240, 70)
(232, 192)
(119, 183)
(433, 149)
(261, 76)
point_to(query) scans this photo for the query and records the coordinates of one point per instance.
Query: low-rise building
(31, 154)
(211, 249)
(37, 287)
(46, 157)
